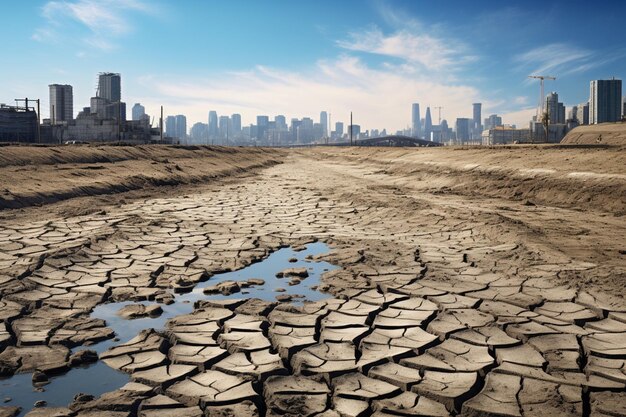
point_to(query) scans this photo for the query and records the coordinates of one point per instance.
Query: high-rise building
(416, 126)
(170, 127)
(605, 101)
(582, 113)
(462, 128)
(181, 127)
(110, 86)
(262, 123)
(492, 122)
(428, 124)
(555, 109)
(281, 122)
(213, 129)
(199, 133)
(224, 129)
(235, 121)
(356, 131)
(477, 113)
(324, 123)
(339, 129)
(624, 110)
(138, 111)
(61, 103)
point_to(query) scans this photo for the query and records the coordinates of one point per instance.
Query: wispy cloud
(427, 51)
(101, 22)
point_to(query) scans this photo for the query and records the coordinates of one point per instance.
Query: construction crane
(542, 99)
(439, 108)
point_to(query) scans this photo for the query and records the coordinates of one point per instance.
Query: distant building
(477, 127)
(224, 129)
(492, 121)
(213, 128)
(110, 86)
(262, 123)
(356, 131)
(61, 103)
(462, 128)
(281, 122)
(503, 135)
(18, 124)
(138, 111)
(624, 108)
(338, 129)
(199, 133)
(181, 127)
(555, 109)
(416, 125)
(582, 113)
(605, 101)
(170, 127)
(235, 121)
(324, 123)
(428, 124)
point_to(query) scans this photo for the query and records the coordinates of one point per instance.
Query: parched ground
(473, 281)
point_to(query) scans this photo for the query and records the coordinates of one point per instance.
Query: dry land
(470, 282)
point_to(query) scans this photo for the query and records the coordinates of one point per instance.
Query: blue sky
(372, 57)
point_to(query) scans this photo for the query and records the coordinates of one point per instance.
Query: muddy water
(98, 378)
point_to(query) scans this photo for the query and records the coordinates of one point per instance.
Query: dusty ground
(473, 281)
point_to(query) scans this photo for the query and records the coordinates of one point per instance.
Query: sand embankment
(572, 177)
(613, 134)
(31, 175)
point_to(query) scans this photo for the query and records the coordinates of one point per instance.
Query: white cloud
(103, 21)
(379, 98)
(413, 46)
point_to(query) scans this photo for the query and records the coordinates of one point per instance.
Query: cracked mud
(439, 306)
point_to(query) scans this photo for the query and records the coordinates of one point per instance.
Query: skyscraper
(556, 110)
(224, 129)
(416, 125)
(339, 128)
(262, 123)
(181, 127)
(324, 123)
(281, 122)
(213, 129)
(170, 127)
(61, 103)
(138, 111)
(428, 124)
(110, 86)
(477, 113)
(462, 128)
(605, 101)
(235, 121)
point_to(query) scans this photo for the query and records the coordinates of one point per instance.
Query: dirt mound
(613, 134)
(36, 175)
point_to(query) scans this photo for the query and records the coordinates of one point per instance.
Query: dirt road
(470, 282)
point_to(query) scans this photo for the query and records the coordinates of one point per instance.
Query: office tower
(138, 111)
(110, 86)
(605, 101)
(281, 122)
(462, 128)
(224, 128)
(61, 103)
(477, 112)
(416, 125)
(262, 123)
(556, 110)
(428, 124)
(181, 127)
(235, 121)
(356, 131)
(213, 129)
(624, 106)
(493, 121)
(324, 123)
(339, 128)
(170, 127)
(199, 132)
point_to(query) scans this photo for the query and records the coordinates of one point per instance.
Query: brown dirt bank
(31, 175)
(581, 178)
(613, 134)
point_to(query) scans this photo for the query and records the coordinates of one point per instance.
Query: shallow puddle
(98, 378)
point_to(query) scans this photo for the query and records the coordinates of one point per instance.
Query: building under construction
(18, 124)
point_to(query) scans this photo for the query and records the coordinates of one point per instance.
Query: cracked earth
(443, 304)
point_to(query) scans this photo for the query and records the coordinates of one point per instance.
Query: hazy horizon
(373, 58)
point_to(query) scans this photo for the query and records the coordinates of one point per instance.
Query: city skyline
(387, 55)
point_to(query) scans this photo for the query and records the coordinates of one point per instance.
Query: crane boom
(541, 78)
